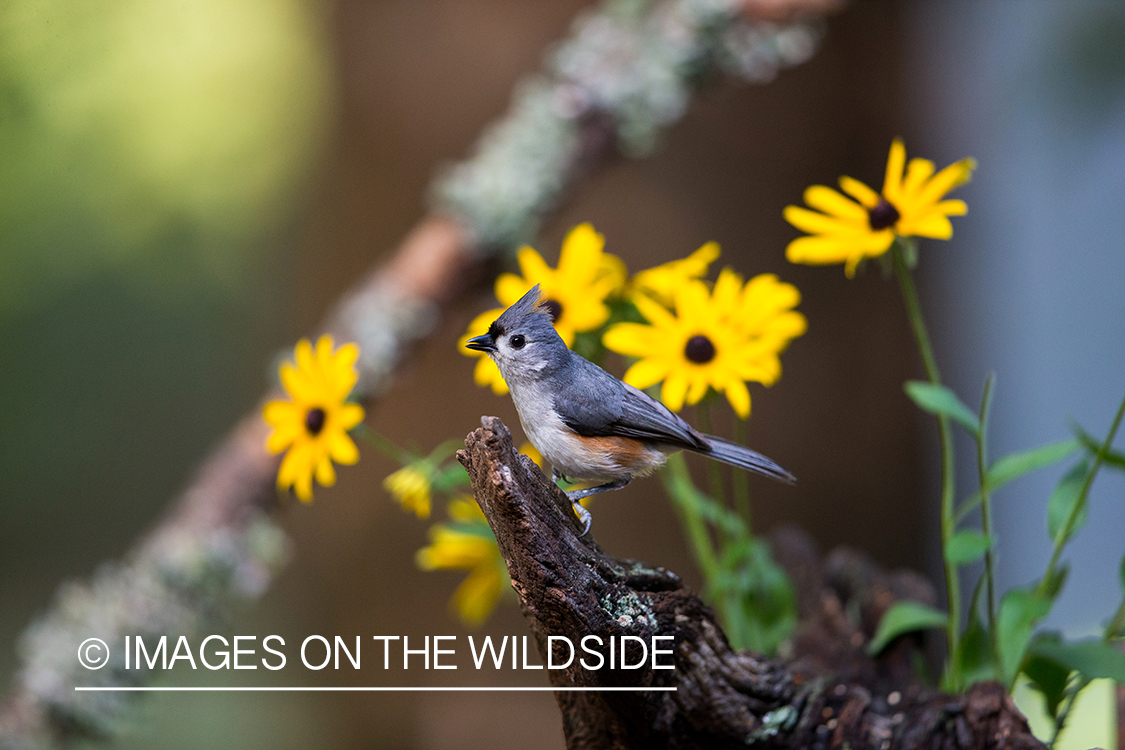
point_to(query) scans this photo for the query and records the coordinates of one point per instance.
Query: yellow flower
(575, 293)
(410, 485)
(529, 450)
(661, 282)
(464, 508)
(863, 224)
(456, 549)
(313, 426)
(718, 339)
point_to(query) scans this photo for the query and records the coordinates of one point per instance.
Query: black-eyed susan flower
(716, 339)
(312, 427)
(863, 224)
(469, 545)
(575, 293)
(410, 486)
(661, 282)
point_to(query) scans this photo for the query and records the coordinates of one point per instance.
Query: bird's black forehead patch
(495, 330)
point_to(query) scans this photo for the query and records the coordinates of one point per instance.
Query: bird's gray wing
(593, 403)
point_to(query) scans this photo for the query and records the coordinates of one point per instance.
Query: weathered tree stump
(828, 695)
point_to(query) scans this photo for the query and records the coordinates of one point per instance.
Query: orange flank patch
(632, 456)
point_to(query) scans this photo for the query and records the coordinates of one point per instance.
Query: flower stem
(740, 480)
(986, 512)
(1080, 503)
(714, 470)
(678, 484)
(945, 435)
(384, 445)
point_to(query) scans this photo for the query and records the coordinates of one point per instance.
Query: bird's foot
(584, 515)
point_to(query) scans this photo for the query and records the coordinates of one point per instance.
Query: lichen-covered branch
(569, 587)
(625, 74)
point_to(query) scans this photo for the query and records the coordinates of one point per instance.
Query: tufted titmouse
(587, 423)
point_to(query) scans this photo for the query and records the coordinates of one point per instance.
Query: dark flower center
(314, 421)
(553, 308)
(883, 215)
(699, 350)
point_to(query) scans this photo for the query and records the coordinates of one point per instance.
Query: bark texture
(827, 695)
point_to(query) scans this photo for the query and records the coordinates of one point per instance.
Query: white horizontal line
(372, 689)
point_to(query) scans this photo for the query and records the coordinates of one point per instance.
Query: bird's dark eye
(516, 342)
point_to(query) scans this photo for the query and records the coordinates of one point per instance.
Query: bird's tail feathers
(744, 458)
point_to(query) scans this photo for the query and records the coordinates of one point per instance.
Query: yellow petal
(509, 288)
(323, 353)
(581, 253)
(534, 269)
(298, 384)
(343, 450)
(325, 473)
(477, 595)
(935, 225)
(867, 197)
(917, 172)
(952, 208)
(673, 391)
(957, 173)
(818, 223)
(306, 362)
(728, 288)
(341, 365)
(739, 397)
(348, 416)
(896, 161)
(832, 203)
(302, 486)
(654, 312)
(283, 413)
(630, 339)
(645, 373)
(282, 437)
(697, 389)
(818, 250)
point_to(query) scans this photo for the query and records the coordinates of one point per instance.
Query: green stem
(740, 480)
(384, 445)
(678, 484)
(1080, 504)
(945, 435)
(986, 513)
(714, 470)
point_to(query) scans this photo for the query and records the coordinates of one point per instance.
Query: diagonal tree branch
(568, 586)
(626, 73)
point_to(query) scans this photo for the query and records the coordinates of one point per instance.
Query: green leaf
(905, 617)
(450, 478)
(1054, 586)
(976, 656)
(939, 400)
(1113, 458)
(966, 546)
(976, 648)
(1122, 572)
(1046, 675)
(1020, 610)
(1063, 499)
(1015, 465)
(1094, 659)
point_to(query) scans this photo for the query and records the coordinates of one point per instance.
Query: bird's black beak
(482, 343)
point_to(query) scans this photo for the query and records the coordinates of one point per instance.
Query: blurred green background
(185, 187)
